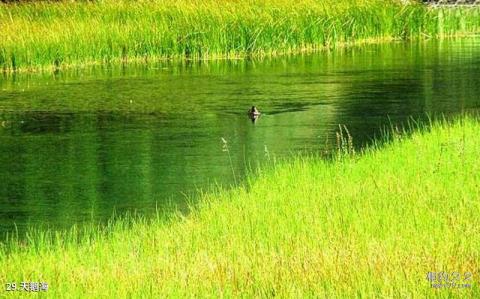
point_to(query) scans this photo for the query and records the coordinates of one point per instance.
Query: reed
(368, 225)
(55, 35)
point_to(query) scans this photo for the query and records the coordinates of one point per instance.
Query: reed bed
(55, 35)
(368, 226)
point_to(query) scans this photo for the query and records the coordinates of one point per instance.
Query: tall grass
(35, 35)
(370, 225)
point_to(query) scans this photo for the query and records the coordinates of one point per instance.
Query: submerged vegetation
(359, 226)
(38, 35)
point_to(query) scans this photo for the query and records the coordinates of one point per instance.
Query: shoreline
(346, 224)
(151, 61)
(59, 36)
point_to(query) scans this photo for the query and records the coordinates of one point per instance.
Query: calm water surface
(79, 145)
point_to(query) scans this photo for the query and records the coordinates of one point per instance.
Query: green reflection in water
(78, 145)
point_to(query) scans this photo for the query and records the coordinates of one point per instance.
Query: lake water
(81, 144)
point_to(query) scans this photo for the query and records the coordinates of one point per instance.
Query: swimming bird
(253, 112)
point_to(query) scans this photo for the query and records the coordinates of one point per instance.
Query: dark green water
(77, 145)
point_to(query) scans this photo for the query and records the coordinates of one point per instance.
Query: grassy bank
(39, 35)
(369, 225)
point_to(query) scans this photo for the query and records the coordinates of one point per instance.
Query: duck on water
(253, 112)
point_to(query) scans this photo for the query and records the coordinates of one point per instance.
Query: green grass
(369, 225)
(46, 35)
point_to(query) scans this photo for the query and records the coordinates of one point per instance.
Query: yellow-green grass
(40, 35)
(369, 225)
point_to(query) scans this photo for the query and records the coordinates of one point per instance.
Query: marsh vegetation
(366, 222)
(365, 225)
(55, 35)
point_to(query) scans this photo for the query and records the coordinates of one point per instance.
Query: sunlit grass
(43, 34)
(361, 225)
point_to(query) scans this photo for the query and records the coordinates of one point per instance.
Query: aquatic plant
(43, 34)
(374, 224)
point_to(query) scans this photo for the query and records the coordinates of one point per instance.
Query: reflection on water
(78, 145)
